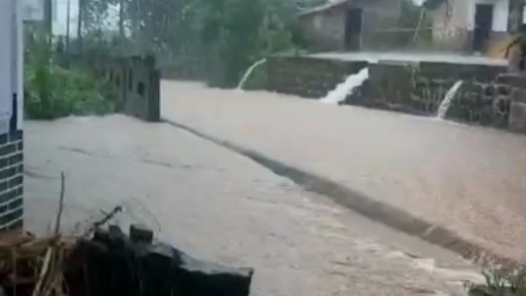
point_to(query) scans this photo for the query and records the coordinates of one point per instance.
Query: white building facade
(471, 25)
(11, 115)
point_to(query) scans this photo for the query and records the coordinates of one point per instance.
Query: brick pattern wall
(11, 181)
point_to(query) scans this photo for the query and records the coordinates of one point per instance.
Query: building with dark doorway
(353, 25)
(474, 25)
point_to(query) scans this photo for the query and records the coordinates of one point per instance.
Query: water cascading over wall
(416, 87)
(308, 77)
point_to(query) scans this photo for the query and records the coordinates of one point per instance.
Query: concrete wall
(137, 82)
(325, 30)
(450, 26)
(453, 27)
(136, 79)
(380, 24)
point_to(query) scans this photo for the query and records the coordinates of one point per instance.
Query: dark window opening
(130, 79)
(140, 88)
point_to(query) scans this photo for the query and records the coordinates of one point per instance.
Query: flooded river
(218, 205)
(470, 179)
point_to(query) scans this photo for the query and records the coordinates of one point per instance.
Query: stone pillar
(517, 117)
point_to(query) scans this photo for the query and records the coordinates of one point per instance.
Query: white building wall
(19, 41)
(6, 56)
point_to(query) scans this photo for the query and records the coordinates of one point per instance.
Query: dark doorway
(483, 24)
(353, 29)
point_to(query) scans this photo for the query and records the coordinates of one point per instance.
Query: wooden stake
(60, 205)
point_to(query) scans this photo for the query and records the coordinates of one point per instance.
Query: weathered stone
(400, 86)
(517, 117)
(489, 90)
(512, 79)
(503, 90)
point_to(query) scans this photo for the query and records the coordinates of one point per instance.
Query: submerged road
(468, 179)
(219, 205)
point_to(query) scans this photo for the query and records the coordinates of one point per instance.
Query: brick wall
(11, 181)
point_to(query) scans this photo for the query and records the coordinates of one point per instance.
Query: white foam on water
(249, 72)
(448, 98)
(428, 265)
(346, 88)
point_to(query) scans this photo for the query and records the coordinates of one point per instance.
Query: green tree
(222, 36)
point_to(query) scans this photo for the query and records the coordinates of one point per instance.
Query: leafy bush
(52, 91)
(501, 282)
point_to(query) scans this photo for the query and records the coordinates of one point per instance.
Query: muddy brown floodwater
(471, 180)
(219, 205)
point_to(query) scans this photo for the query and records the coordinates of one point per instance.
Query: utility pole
(68, 26)
(48, 17)
(121, 20)
(79, 25)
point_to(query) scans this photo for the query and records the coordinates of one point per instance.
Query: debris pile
(33, 266)
(108, 262)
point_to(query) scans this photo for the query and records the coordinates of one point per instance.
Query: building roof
(324, 7)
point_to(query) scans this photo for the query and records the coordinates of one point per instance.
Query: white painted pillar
(11, 62)
(6, 57)
(19, 40)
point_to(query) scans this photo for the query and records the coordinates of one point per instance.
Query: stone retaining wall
(517, 121)
(412, 87)
(308, 77)
(420, 88)
(11, 181)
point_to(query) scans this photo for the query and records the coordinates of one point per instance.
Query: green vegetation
(501, 282)
(52, 91)
(219, 39)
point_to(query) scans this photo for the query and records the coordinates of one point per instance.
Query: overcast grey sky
(61, 16)
(61, 12)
